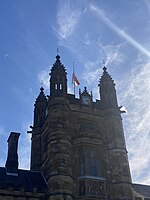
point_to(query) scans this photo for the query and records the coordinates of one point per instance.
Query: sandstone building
(78, 148)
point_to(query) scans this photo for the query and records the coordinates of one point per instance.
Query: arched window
(90, 163)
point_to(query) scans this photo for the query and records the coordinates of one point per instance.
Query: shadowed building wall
(78, 148)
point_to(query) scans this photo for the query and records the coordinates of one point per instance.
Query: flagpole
(74, 81)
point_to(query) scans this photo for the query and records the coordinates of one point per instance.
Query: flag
(75, 80)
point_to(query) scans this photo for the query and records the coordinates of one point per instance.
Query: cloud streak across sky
(119, 31)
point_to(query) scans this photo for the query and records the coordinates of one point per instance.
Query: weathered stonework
(82, 147)
(78, 149)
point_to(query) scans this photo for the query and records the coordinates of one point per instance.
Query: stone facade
(78, 148)
(79, 144)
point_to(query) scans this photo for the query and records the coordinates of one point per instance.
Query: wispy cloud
(44, 78)
(92, 75)
(135, 96)
(113, 53)
(102, 17)
(67, 19)
(86, 39)
(93, 69)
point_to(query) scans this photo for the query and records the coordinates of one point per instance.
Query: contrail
(100, 14)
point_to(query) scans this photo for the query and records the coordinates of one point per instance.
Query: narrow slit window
(56, 86)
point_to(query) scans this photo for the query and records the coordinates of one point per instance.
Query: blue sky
(85, 32)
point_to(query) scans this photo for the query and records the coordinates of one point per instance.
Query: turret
(119, 178)
(107, 89)
(58, 80)
(40, 113)
(40, 110)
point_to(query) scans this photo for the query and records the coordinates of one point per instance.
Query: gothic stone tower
(79, 144)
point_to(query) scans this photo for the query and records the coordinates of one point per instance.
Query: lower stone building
(18, 184)
(141, 192)
(78, 148)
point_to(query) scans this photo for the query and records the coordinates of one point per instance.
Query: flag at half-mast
(75, 80)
